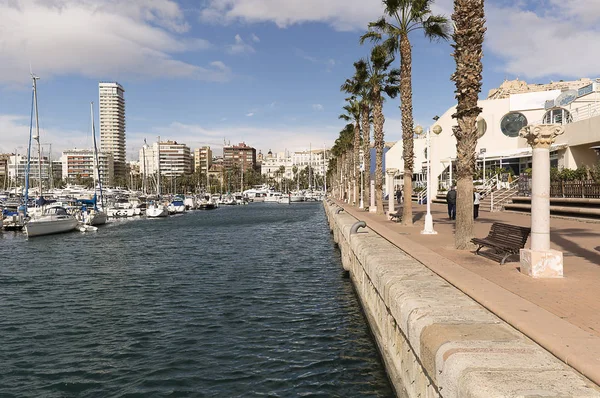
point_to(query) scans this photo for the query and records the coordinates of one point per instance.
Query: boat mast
(144, 176)
(158, 169)
(37, 130)
(309, 167)
(207, 178)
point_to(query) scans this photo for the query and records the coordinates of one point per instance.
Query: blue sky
(265, 72)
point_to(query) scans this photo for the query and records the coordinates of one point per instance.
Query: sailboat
(96, 216)
(156, 208)
(53, 219)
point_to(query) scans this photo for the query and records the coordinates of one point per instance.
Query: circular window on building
(512, 123)
(481, 127)
(557, 116)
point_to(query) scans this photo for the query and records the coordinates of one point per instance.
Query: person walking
(398, 195)
(451, 200)
(476, 200)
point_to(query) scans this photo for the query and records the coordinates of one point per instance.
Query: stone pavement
(562, 315)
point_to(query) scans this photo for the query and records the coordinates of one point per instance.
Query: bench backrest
(512, 235)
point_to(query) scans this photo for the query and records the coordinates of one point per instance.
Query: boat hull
(157, 212)
(49, 227)
(98, 218)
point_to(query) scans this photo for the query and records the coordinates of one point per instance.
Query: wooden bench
(504, 240)
(396, 217)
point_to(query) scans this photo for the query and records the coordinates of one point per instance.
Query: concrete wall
(436, 341)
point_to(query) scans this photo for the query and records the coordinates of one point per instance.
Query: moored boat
(54, 220)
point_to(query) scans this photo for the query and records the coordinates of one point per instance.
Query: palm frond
(436, 28)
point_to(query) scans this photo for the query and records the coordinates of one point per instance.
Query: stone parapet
(434, 339)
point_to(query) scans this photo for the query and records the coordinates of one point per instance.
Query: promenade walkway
(562, 315)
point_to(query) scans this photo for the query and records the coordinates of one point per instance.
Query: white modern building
(515, 104)
(202, 159)
(175, 159)
(112, 124)
(17, 169)
(79, 163)
(318, 159)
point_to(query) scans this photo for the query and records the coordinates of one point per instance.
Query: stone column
(372, 208)
(390, 188)
(540, 261)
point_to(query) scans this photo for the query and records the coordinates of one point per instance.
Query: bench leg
(507, 255)
(480, 247)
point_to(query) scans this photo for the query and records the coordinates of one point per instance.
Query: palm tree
(353, 115)
(340, 151)
(407, 16)
(380, 80)
(469, 31)
(358, 87)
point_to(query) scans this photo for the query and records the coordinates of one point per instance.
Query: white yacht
(284, 199)
(273, 197)
(54, 220)
(156, 210)
(176, 206)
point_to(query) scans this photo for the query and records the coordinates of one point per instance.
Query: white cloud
(14, 134)
(343, 15)
(250, 114)
(255, 38)
(557, 40)
(318, 107)
(240, 47)
(98, 39)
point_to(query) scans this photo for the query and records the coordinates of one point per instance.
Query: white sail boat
(157, 209)
(54, 219)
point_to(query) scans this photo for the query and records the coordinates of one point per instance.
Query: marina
(239, 301)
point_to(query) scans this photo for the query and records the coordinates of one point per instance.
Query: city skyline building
(202, 159)
(79, 163)
(236, 155)
(112, 125)
(318, 159)
(175, 159)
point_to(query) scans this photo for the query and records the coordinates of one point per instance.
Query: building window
(557, 116)
(512, 123)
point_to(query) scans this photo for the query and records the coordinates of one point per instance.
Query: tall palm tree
(363, 93)
(469, 31)
(340, 151)
(352, 114)
(406, 16)
(380, 80)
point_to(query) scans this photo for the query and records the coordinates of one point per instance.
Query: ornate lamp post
(540, 261)
(428, 227)
(362, 172)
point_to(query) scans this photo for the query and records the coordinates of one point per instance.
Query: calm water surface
(241, 301)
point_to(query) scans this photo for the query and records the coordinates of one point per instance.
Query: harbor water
(242, 301)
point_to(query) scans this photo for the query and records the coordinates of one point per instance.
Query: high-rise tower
(112, 125)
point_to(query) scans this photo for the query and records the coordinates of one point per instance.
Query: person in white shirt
(476, 199)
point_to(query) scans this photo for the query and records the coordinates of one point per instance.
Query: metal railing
(500, 197)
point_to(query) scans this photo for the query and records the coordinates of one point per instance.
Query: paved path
(563, 315)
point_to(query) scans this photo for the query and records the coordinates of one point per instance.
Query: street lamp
(428, 228)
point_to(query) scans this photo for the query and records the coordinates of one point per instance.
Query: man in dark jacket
(451, 200)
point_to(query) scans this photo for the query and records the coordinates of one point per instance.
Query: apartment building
(79, 163)
(236, 155)
(112, 124)
(202, 159)
(175, 159)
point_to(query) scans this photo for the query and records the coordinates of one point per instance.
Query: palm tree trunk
(366, 133)
(378, 121)
(468, 37)
(407, 125)
(356, 160)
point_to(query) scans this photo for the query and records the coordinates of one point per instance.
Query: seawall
(435, 340)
